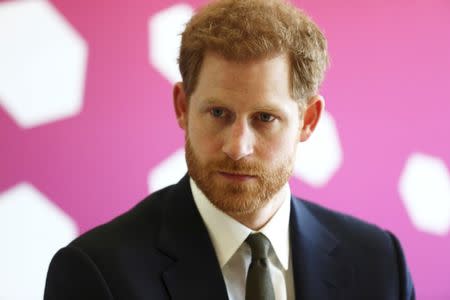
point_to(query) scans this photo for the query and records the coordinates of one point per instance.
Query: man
(230, 229)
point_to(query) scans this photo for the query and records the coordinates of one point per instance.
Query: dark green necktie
(259, 283)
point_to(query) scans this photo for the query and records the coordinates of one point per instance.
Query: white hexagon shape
(168, 172)
(320, 156)
(165, 30)
(424, 188)
(28, 220)
(43, 62)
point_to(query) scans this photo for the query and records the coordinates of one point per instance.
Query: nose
(239, 140)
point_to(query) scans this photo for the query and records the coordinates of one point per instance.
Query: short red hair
(244, 30)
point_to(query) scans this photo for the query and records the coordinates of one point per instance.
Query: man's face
(242, 128)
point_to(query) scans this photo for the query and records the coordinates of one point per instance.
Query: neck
(257, 219)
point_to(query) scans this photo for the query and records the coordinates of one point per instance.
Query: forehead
(263, 78)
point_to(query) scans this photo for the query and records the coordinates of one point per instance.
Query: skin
(242, 127)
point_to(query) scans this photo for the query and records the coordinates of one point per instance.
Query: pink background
(387, 90)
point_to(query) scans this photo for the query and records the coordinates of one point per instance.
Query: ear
(180, 104)
(311, 116)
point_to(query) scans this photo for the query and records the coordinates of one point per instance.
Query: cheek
(278, 147)
(202, 140)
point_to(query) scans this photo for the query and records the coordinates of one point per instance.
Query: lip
(237, 177)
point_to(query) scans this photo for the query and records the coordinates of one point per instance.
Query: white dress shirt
(234, 255)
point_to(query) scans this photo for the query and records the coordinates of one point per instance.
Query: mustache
(237, 167)
(227, 165)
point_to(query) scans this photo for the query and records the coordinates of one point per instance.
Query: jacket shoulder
(143, 221)
(368, 247)
(349, 229)
(114, 258)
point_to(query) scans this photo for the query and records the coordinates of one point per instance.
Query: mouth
(236, 176)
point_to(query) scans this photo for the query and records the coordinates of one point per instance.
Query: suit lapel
(321, 270)
(195, 272)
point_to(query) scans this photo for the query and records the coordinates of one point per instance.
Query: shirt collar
(227, 234)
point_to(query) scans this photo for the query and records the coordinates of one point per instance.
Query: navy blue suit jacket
(160, 249)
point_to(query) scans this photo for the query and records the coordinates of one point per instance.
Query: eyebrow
(212, 100)
(266, 108)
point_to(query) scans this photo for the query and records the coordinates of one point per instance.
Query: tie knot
(259, 244)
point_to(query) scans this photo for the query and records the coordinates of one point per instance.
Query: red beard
(237, 197)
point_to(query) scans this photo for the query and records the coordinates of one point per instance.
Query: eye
(265, 117)
(217, 112)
